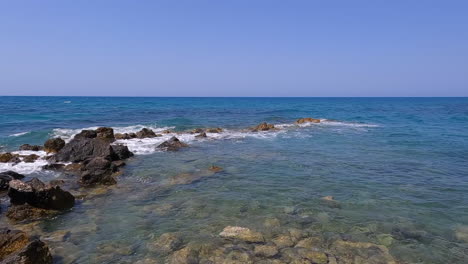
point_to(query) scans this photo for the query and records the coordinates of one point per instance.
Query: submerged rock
(242, 233)
(18, 248)
(263, 127)
(31, 147)
(6, 177)
(166, 243)
(361, 252)
(54, 145)
(145, 133)
(172, 144)
(27, 212)
(461, 233)
(307, 120)
(97, 171)
(266, 250)
(283, 241)
(214, 168)
(186, 255)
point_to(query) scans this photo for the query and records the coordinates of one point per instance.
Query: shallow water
(396, 166)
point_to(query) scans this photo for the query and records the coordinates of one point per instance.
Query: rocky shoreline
(92, 159)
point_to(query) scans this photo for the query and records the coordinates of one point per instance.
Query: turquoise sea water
(398, 168)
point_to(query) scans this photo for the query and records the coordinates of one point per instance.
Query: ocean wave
(19, 134)
(26, 167)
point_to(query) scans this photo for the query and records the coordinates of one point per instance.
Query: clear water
(392, 163)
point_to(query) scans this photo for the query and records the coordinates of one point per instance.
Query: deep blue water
(392, 163)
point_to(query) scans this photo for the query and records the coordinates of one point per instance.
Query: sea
(397, 169)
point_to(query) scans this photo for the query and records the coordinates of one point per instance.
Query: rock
(263, 127)
(186, 255)
(54, 166)
(122, 151)
(97, 171)
(86, 134)
(125, 135)
(172, 144)
(283, 241)
(74, 167)
(118, 163)
(242, 233)
(201, 135)
(6, 177)
(167, 131)
(40, 195)
(81, 149)
(54, 145)
(31, 147)
(145, 133)
(6, 157)
(30, 158)
(461, 233)
(18, 248)
(19, 192)
(330, 201)
(166, 243)
(272, 223)
(385, 239)
(50, 197)
(105, 133)
(361, 252)
(265, 250)
(197, 131)
(214, 168)
(307, 120)
(310, 242)
(27, 212)
(313, 255)
(214, 130)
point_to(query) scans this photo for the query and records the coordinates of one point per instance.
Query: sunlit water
(392, 164)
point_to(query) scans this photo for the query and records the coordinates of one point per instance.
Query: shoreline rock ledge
(18, 248)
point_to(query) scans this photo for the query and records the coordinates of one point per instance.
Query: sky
(234, 48)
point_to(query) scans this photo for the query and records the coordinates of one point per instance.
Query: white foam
(19, 134)
(26, 167)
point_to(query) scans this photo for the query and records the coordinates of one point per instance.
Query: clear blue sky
(234, 48)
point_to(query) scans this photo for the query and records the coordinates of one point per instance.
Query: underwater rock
(361, 252)
(86, 134)
(214, 168)
(263, 127)
(310, 242)
(201, 135)
(283, 241)
(272, 223)
(31, 147)
(27, 212)
(173, 144)
(330, 202)
(97, 171)
(54, 145)
(40, 195)
(186, 255)
(166, 243)
(214, 130)
(6, 177)
(105, 133)
(265, 250)
(18, 248)
(122, 152)
(242, 233)
(307, 120)
(145, 133)
(461, 233)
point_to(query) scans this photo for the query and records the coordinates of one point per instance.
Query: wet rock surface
(18, 248)
(173, 144)
(6, 177)
(145, 133)
(263, 127)
(307, 120)
(97, 170)
(31, 147)
(81, 149)
(54, 145)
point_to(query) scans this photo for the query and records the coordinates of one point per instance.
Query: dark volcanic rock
(18, 248)
(40, 195)
(263, 127)
(125, 135)
(81, 149)
(30, 158)
(97, 171)
(54, 145)
(122, 152)
(172, 144)
(105, 133)
(86, 134)
(145, 133)
(6, 177)
(30, 147)
(54, 166)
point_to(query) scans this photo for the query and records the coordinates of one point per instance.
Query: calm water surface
(397, 167)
